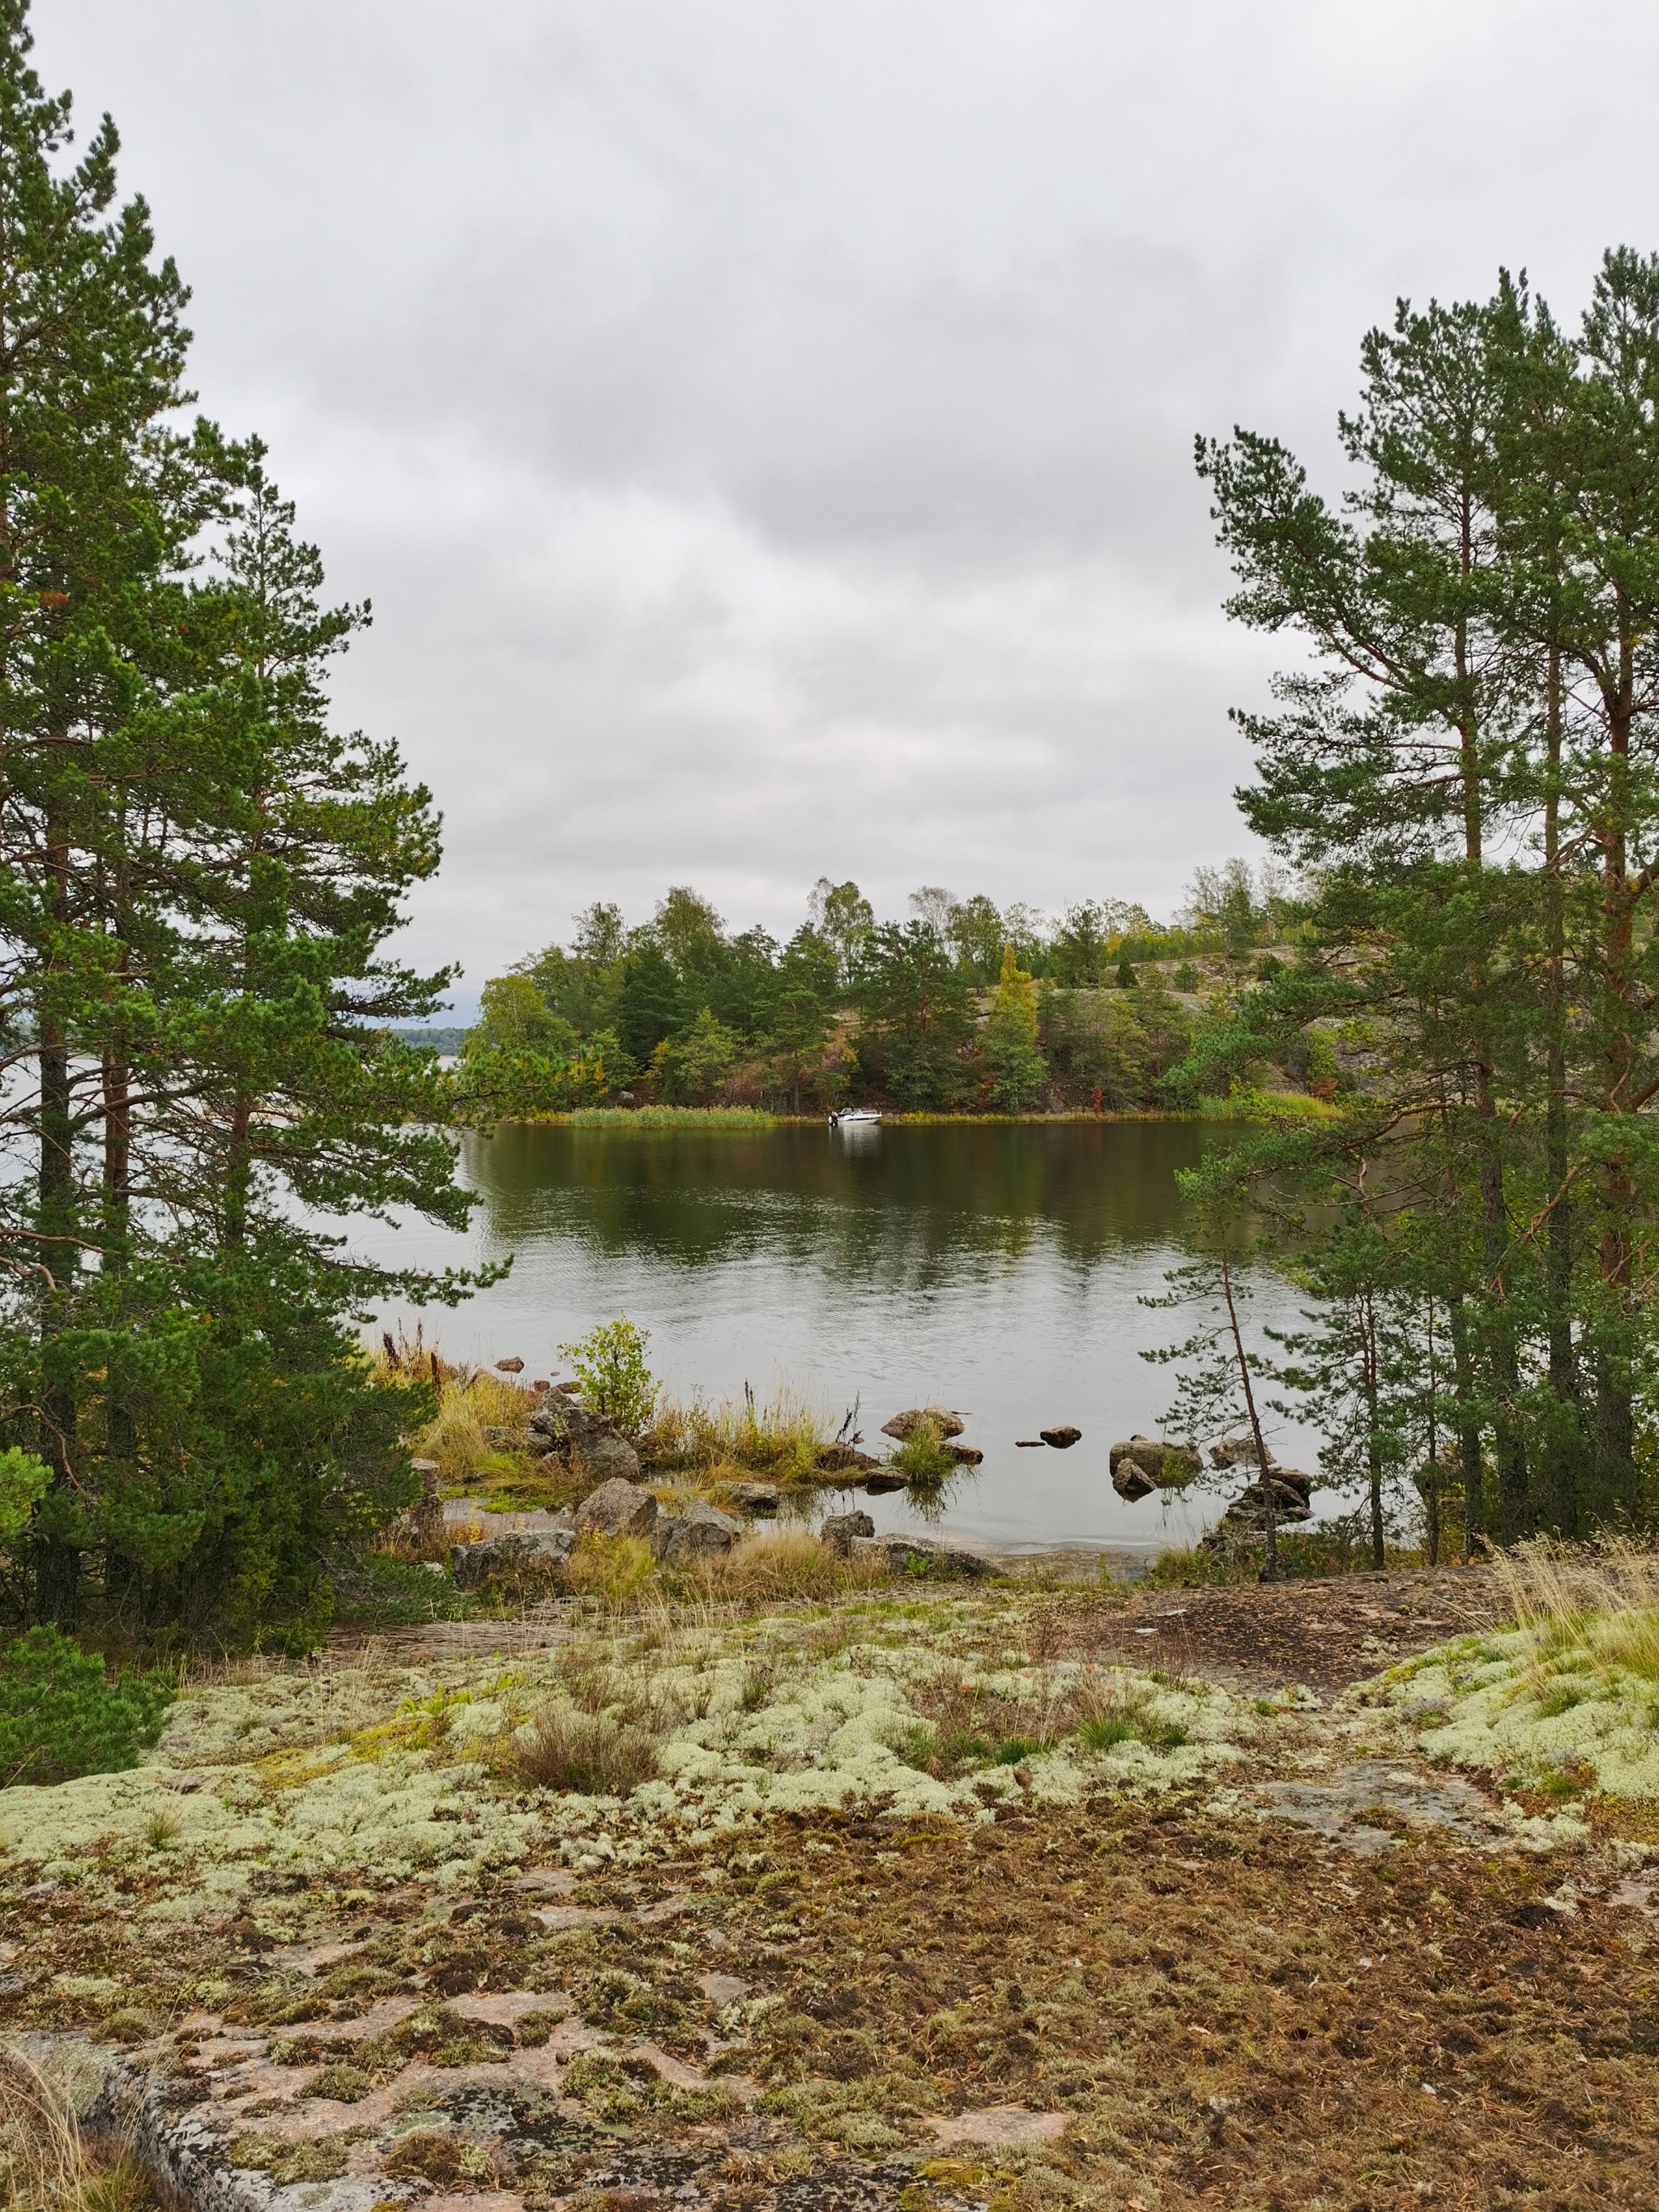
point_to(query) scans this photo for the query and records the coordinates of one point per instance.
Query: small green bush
(612, 1375)
(60, 1715)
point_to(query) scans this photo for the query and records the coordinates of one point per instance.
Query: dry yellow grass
(1590, 1606)
(470, 1400)
(787, 1563)
(781, 1437)
(623, 1577)
(45, 2163)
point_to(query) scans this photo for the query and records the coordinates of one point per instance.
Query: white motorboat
(850, 1114)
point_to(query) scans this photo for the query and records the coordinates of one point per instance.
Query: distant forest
(959, 1006)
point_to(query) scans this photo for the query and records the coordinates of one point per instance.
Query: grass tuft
(780, 1438)
(594, 1752)
(923, 1458)
(45, 2164)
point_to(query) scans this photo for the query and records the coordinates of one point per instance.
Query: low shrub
(592, 1752)
(61, 1715)
(1327, 1548)
(612, 1375)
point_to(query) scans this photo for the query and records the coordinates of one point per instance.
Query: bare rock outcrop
(525, 1552)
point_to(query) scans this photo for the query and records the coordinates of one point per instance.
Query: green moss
(285, 2162)
(345, 2085)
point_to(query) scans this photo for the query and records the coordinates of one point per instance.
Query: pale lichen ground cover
(1556, 1722)
(408, 1771)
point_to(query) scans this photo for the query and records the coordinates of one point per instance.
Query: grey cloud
(764, 428)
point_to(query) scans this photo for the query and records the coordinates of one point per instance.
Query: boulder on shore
(1131, 1482)
(1247, 1517)
(702, 1532)
(904, 1425)
(1170, 1466)
(1062, 1439)
(423, 1524)
(562, 1427)
(922, 1555)
(616, 1508)
(511, 1558)
(839, 1530)
(607, 1457)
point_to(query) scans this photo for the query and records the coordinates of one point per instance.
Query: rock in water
(506, 1558)
(1062, 1439)
(842, 1458)
(702, 1532)
(753, 1497)
(1167, 1464)
(840, 1529)
(1130, 1482)
(885, 1479)
(513, 1366)
(617, 1508)
(1235, 1451)
(963, 1454)
(906, 1424)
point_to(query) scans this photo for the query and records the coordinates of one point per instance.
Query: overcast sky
(764, 429)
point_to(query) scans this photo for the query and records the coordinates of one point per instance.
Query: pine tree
(91, 361)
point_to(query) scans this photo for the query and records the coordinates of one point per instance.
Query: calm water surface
(996, 1270)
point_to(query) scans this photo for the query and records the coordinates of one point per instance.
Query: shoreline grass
(781, 1437)
(1257, 1106)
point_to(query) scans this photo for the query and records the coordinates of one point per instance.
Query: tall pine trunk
(58, 1559)
(1564, 1441)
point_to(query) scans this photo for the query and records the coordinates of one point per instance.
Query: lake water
(993, 1269)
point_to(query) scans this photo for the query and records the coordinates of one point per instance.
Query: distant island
(962, 1008)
